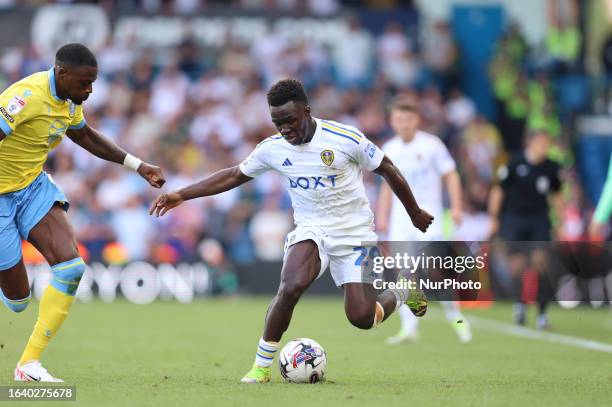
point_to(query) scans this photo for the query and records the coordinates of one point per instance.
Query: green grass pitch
(172, 354)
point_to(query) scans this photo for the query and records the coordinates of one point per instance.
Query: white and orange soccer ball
(302, 360)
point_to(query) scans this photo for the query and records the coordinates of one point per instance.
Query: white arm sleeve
(366, 154)
(256, 163)
(442, 160)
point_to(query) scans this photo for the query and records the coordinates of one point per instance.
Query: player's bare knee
(361, 317)
(63, 254)
(291, 292)
(294, 288)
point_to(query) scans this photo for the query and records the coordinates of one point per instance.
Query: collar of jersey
(312, 140)
(316, 134)
(52, 85)
(418, 133)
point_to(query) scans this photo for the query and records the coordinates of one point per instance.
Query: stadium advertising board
(88, 24)
(448, 271)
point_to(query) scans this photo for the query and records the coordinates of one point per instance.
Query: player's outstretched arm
(420, 218)
(220, 181)
(453, 186)
(383, 208)
(496, 198)
(94, 142)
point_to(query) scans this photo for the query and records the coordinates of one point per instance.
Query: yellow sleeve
(17, 105)
(78, 120)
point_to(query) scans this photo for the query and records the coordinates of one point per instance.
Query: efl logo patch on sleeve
(15, 105)
(370, 150)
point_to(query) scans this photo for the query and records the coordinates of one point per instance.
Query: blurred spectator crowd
(194, 111)
(188, 7)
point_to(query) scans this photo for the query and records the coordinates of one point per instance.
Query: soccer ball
(302, 360)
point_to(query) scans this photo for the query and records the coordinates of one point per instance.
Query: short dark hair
(75, 55)
(405, 103)
(287, 90)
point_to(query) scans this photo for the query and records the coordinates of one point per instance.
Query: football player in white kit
(322, 163)
(425, 162)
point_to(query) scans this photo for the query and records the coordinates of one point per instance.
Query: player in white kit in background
(425, 162)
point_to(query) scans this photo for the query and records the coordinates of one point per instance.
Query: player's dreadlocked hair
(75, 55)
(287, 90)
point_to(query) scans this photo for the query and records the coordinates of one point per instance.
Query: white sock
(265, 353)
(451, 309)
(410, 323)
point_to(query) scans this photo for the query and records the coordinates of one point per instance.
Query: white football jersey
(323, 176)
(423, 161)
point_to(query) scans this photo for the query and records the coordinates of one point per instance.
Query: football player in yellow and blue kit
(35, 113)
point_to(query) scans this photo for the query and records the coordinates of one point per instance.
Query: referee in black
(519, 208)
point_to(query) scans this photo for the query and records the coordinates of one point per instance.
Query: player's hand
(164, 203)
(421, 220)
(153, 174)
(457, 216)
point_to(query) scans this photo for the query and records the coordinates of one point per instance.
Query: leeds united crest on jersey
(327, 156)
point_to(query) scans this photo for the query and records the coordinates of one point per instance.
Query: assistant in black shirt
(519, 209)
(526, 185)
(519, 204)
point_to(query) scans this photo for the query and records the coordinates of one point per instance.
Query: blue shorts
(20, 211)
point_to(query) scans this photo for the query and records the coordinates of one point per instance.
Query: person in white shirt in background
(426, 164)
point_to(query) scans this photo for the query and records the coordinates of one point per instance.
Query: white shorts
(343, 254)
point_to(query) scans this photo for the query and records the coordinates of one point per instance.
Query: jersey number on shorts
(363, 255)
